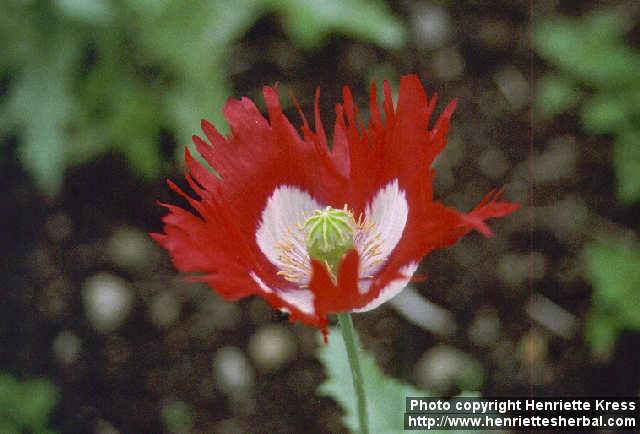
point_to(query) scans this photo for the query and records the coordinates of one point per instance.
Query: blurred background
(98, 99)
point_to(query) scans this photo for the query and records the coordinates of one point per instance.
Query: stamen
(293, 256)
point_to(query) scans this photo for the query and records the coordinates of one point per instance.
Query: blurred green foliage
(89, 76)
(177, 417)
(385, 395)
(597, 71)
(25, 406)
(614, 270)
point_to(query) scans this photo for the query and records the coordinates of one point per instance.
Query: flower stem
(348, 334)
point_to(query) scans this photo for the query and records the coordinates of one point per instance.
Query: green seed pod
(329, 235)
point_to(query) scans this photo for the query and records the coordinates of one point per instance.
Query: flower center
(329, 235)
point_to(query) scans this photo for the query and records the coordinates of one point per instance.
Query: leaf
(613, 269)
(198, 57)
(385, 395)
(26, 405)
(148, 7)
(194, 37)
(177, 417)
(556, 94)
(12, 22)
(88, 11)
(39, 397)
(135, 127)
(42, 106)
(590, 48)
(187, 104)
(626, 163)
(601, 333)
(88, 76)
(308, 22)
(604, 113)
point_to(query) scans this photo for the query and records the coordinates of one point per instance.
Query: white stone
(447, 63)
(485, 328)
(233, 372)
(272, 347)
(513, 86)
(66, 347)
(442, 367)
(493, 163)
(165, 308)
(130, 248)
(421, 312)
(107, 300)
(552, 316)
(431, 25)
(516, 269)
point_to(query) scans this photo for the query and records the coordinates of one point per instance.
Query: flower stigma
(329, 235)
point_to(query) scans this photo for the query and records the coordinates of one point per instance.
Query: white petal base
(392, 289)
(300, 298)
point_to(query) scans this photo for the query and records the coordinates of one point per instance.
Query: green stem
(348, 334)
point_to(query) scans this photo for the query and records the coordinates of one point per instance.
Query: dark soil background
(241, 367)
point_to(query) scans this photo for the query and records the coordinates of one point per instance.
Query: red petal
(219, 245)
(260, 155)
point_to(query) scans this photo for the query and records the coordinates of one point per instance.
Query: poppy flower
(317, 229)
